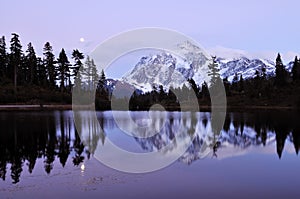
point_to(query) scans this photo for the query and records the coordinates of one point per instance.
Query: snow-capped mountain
(169, 69)
(245, 67)
(192, 62)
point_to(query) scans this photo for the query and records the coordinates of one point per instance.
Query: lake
(254, 155)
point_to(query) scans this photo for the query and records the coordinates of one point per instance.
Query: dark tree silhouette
(194, 86)
(63, 70)
(49, 64)
(296, 69)
(101, 87)
(3, 59)
(79, 148)
(29, 69)
(77, 68)
(280, 71)
(41, 76)
(15, 59)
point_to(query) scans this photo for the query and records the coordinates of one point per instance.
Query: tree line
(282, 89)
(27, 78)
(24, 76)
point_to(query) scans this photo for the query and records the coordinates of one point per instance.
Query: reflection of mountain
(51, 136)
(240, 133)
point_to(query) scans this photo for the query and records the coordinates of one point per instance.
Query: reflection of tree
(227, 123)
(2, 168)
(50, 137)
(281, 128)
(3, 155)
(78, 147)
(281, 136)
(266, 129)
(296, 133)
(26, 142)
(216, 126)
(296, 138)
(64, 146)
(51, 143)
(16, 168)
(93, 134)
(102, 132)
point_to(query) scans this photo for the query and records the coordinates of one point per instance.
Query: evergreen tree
(49, 63)
(3, 58)
(235, 81)
(63, 70)
(213, 73)
(77, 56)
(95, 75)
(296, 69)
(280, 71)
(91, 73)
(264, 73)
(30, 66)
(227, 86)
(87, 72)
(78, 68)
(204, 90)
(241, 83)
(41, 73)
(194, 86)
(101, 87)
(15, 59)
(102, 80)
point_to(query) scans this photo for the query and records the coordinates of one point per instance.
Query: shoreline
(35, 107)
(61, 107)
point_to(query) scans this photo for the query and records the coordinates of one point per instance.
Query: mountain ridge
(171, 70)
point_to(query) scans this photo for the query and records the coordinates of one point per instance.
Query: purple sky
(251, 25)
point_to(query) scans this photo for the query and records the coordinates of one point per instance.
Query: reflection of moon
(81, 39)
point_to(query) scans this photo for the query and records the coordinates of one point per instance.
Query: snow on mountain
(192, 62)
(168, 69)
(245, 67)
(236, 141)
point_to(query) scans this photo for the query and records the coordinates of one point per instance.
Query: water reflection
(26, 137)
(51, 136)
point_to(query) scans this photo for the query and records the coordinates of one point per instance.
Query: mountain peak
(168, 69)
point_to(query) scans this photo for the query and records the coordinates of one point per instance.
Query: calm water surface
(254, 155)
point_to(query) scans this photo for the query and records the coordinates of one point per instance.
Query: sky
(261, 27)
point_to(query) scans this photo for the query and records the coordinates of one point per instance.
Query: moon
(81, 39)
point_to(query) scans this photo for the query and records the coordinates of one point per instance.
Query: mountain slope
(172, 70)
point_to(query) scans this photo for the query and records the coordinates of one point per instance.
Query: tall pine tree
(95, 75)
(15, 59)
(30, 66)
(49, 63)
(63, 70)
(296, 69)
(280, 71)
(41, 73)
(213, 73)
(3, 58)
(101, 87)
(77, 68)
(91, 73)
